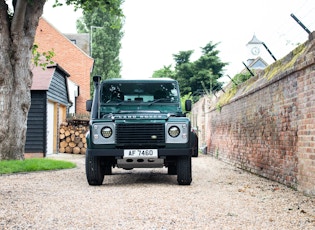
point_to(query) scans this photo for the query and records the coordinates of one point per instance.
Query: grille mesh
(140, 134)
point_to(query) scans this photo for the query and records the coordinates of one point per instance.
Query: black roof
(139, 80)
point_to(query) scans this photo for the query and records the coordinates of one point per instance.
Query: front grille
(140, 134)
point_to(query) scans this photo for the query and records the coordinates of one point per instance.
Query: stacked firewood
(72, 138)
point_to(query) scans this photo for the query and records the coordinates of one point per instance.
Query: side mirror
(88, 105)
(97, 79)
(188, 105)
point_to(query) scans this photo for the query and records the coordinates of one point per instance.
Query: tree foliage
(111, 6)
(105, 31)
(182, 57)
(42, 59)
(165, 72)
(197, 76)
(241, 77)
(17, 32)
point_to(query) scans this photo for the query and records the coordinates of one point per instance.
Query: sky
(154, 30)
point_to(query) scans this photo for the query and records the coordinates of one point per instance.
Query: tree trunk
(16, 42)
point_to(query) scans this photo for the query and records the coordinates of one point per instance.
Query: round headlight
(173, 131)
(106, 132)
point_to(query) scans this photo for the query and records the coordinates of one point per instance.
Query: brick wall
(268, 126)
(69, 57)
(306, 131)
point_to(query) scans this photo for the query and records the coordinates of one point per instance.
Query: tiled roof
(42, 78)
(80, 40)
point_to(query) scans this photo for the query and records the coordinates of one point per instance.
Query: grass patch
(33, 165)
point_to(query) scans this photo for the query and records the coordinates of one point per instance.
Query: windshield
(155, 92)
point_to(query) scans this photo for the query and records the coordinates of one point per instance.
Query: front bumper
(119, 153)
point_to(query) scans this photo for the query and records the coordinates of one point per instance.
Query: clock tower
(255, 52)
(254, 47)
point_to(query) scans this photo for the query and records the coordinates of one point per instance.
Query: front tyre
(184, 170)
(195, 147)
(93, 170)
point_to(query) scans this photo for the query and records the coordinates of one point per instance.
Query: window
(74, 41)
(139, 92)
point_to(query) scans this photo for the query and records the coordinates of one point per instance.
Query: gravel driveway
(220, 197)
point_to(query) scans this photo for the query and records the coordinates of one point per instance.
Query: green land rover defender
(139, 124)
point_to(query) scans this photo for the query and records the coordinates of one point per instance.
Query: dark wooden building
(49, 104)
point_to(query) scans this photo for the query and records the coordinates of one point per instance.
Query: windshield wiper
(158, 100)
(115, 102)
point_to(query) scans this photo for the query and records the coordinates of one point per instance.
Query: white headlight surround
(176, 132)
(103, 133)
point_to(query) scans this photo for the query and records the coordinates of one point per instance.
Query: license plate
(133, 153)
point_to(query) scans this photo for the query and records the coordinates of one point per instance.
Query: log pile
(72, 138)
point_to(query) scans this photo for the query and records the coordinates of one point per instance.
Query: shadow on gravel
(138, 177)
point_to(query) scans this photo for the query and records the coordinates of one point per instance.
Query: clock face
(255, 50)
